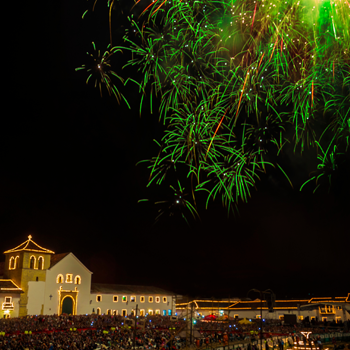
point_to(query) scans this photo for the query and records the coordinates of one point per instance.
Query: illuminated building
(38, 281)
(324, 309)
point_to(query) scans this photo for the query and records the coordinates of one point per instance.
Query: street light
(270, 304)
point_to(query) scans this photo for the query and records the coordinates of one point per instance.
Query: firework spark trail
(240, 99)
(254, 15)
(159, 7)
(217, 128)
(273, 48)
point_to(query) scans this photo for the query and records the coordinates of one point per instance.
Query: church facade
(36, 281)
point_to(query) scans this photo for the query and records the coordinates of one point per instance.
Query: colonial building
(38, 281)
(322, 308)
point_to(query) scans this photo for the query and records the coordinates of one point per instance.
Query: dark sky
(68, 177)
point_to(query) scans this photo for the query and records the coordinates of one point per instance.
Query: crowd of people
(85, 332)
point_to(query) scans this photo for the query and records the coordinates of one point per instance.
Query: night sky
(69, 178)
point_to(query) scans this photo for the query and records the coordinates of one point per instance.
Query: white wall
(68, 265)
(36, 297)
(108, 303)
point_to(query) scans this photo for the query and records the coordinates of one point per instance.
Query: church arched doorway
(67, 305)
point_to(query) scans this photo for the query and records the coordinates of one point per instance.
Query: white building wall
(107, 303)
(68, 265)
(36, 297)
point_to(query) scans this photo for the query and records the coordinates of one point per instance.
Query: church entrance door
(67, 306)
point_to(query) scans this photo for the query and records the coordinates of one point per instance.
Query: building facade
(321, 309)
(39, 282)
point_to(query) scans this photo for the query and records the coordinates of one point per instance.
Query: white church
(36, 281)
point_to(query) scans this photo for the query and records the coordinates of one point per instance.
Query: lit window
(301, 318)
(150, 312)
(115, 312)
(16, 261)
(338, 319)
(157, 312)
(98, 298)
(142, 299)
(324, 319)
(235, 316)
(169, 312)
(108, 312)
(59, 279)
(8, 299)
(124, 299)
(164, 312)
(157, 299)
(32, 262)
(41, 263)
(142, 312)
(124, 312)
(98, 311)
(281, 317)
(12, 263)
(69, 278)
(312, 318)
(132, 298)
(77, 280)
(164, 300)
(150, 299)
(115, 298)
(258, 317)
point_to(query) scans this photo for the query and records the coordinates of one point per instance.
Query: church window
(77, 280)
(59, 279)
(142, 299)
(115, 298)
(69, 278)
(150, 299)
(16, 262)
(12, 263)
(98, 311)
(98, 298)
(41, 263)
(132, 298)
(32, 262)
(124, 299)
(157, 299)
(164, 300)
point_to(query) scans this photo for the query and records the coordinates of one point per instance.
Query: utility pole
(134, 342)
(268, 291)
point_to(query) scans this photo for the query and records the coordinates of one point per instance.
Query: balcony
(7, 306)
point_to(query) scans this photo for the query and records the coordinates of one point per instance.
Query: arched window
(41, 263)
(16, 261)
(12, 263)
(77, 280)
(59, 279)
(32, 262)
(98, 311)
